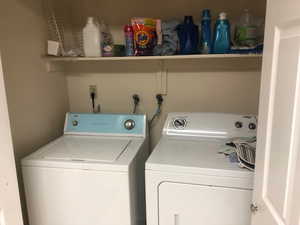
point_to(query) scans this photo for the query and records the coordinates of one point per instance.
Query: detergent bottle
(221, 42)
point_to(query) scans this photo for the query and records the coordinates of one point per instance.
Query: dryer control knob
(179, 123)
(252, 126)
(75, 123)
(129, 124)
(238, 124)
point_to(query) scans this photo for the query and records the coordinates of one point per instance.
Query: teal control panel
(115, 124)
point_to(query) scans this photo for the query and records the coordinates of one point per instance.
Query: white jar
(91, 39)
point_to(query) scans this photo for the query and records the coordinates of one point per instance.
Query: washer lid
(77, 148)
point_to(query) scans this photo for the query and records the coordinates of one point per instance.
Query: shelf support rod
(162, 78)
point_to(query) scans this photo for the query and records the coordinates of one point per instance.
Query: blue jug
(221, 44)
(188, 36)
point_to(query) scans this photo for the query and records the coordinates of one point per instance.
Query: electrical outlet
(93, 89)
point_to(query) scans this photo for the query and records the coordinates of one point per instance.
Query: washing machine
(189, 181)
(93, 174)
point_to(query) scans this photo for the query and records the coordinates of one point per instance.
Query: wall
(37, 100)
(201, 86)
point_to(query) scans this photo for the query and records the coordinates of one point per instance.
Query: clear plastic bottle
(246, 30)
(91, 39)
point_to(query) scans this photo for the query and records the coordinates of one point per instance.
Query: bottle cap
(90, 20)
(223, 16)
(188, 19)
(206, 14)
(128, 28)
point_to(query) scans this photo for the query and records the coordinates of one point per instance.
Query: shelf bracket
(162, 78)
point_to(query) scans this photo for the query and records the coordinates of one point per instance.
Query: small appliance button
(252, 126)
(238, 124)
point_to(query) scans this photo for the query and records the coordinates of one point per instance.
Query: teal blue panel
(104, 123)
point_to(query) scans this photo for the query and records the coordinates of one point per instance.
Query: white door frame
(10, 208)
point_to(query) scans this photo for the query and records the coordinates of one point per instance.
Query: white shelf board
(163, 58)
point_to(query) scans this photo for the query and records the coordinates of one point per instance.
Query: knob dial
(179, 123)
(238, 124)
(75, 123)
(252, 126)
(129, 124)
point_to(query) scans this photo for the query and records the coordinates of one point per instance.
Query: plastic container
(221, 42)
(188, 36)
(107, 42)
(91, 39)
(246, 33)
(206, 38)
(129, 40)
(145, 38)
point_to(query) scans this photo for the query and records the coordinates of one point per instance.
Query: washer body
(93, 174)
(188, 182)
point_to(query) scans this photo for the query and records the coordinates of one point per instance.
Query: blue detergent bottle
(206, 38)
(221, 42)
(188, 36)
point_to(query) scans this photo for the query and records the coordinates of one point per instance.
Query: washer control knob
(75, 123)
(238, 124)
(129, 124)
(252, 126)
(179, 123)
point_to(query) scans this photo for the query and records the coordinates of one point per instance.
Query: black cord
(93, 96)
(136, 100)
(159, 100)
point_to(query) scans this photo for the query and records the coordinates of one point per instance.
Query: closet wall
(37, 100)
(202, 86)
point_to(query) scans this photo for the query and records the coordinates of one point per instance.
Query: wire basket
(60, 30)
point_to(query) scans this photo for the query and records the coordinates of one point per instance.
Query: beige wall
(120, 12)
(191, 87)
(37, 100)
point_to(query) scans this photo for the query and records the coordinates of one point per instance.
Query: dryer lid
(194, 157)
(93, 149)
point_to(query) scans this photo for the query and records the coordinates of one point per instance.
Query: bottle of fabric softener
(206, 32)
(221, 42)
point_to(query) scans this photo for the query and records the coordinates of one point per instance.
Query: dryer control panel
(105, 124)
(215, 125)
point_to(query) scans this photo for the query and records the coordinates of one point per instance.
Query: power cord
(93, 96)
(159, 100)
(136, 101)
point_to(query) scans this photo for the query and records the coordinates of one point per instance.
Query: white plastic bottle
(91, 39)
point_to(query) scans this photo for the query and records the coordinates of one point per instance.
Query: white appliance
(188, 182)
(92, 175)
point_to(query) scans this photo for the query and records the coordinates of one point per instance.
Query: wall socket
(93, 89)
